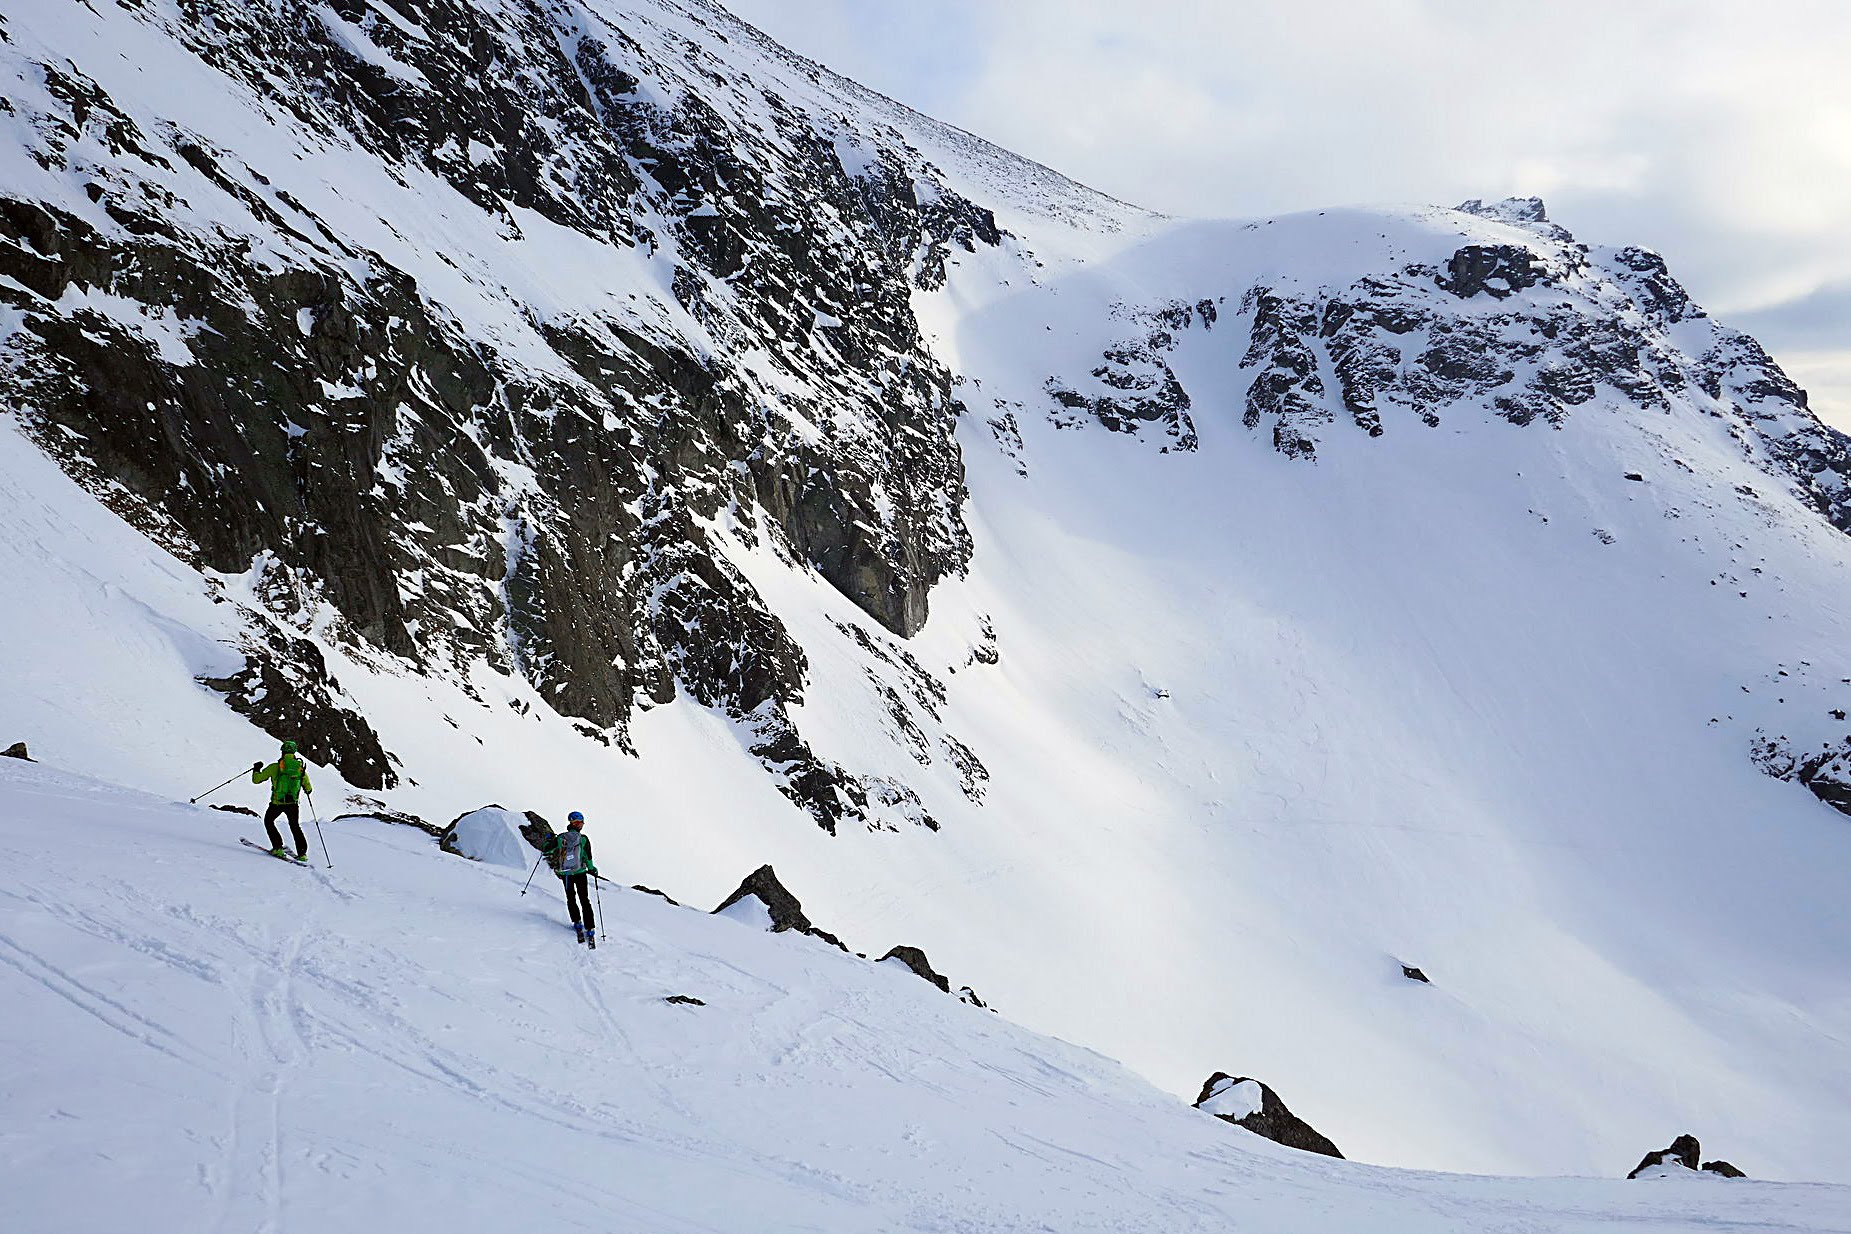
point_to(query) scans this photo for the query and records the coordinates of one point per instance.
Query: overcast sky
(1717, 133)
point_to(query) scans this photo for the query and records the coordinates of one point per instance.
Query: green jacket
(288, 776)
(567, 859)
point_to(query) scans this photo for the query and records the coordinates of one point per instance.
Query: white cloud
(1718, 133)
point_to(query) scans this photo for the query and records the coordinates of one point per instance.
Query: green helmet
(289, 747)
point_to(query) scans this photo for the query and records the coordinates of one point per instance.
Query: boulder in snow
(1681, 1158)
(16, 750)
(238, 810)
(1683, 1154)
(1414, 974)
(1255, 1106)
(764, 902)
(914, 959)
(491, 834)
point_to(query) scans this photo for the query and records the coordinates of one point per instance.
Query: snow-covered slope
(221, 1042)
(1179, 626)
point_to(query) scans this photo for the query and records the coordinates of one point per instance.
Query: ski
(266, 852)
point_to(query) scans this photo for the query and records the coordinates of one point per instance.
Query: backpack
(571, 854)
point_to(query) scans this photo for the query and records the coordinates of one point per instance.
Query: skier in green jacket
(288, 777)
(569, 853)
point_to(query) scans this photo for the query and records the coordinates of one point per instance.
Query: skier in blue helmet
(569, 853)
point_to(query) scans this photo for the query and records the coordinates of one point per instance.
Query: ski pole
(316, 815)
(532, 872)
(193, 801)
(604, 931)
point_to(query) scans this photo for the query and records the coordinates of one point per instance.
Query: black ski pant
(293, 812)
(578, 899)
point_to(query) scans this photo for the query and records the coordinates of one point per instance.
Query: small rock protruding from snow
(1248, 1103)
(685, 1000)
(1681, 1157)
(914, 959)
(399, 818)
(17, 750)
(764, 902)
(491, 834)
(1414, 974)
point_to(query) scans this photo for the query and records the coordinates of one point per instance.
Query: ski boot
(578, 930)
(591, 938)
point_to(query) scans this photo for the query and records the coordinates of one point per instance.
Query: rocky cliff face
(1414, 344)
(443, 470)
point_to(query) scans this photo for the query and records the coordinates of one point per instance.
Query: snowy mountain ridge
(594, 405)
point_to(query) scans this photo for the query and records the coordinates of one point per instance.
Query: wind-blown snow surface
(1259, 731)
(218, 1041)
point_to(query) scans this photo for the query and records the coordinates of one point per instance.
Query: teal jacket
(568, 858)
(288, 777)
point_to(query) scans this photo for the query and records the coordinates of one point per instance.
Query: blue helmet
(575, 817)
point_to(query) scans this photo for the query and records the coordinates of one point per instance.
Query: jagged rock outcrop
(915, 960)
(1826, 773)
(762, 900)
(1684, 1154)
(536, 830)
(1249, 1103)
(17, 750)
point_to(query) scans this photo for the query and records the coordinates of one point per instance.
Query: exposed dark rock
(1135, 388)
(17, 750)
(399, 817)
(1633, 475)
(285, 690)
(238, 810)
(1249, 1103)
(1497, 270)
(785, 910)
(685, 1000)
(1413, 974)
(536, 830)
(915, 959)
(1826, 773)
(660, 895)
(968, 995)
(1286, 392)
(1684, 1151)
(1723, 1168)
